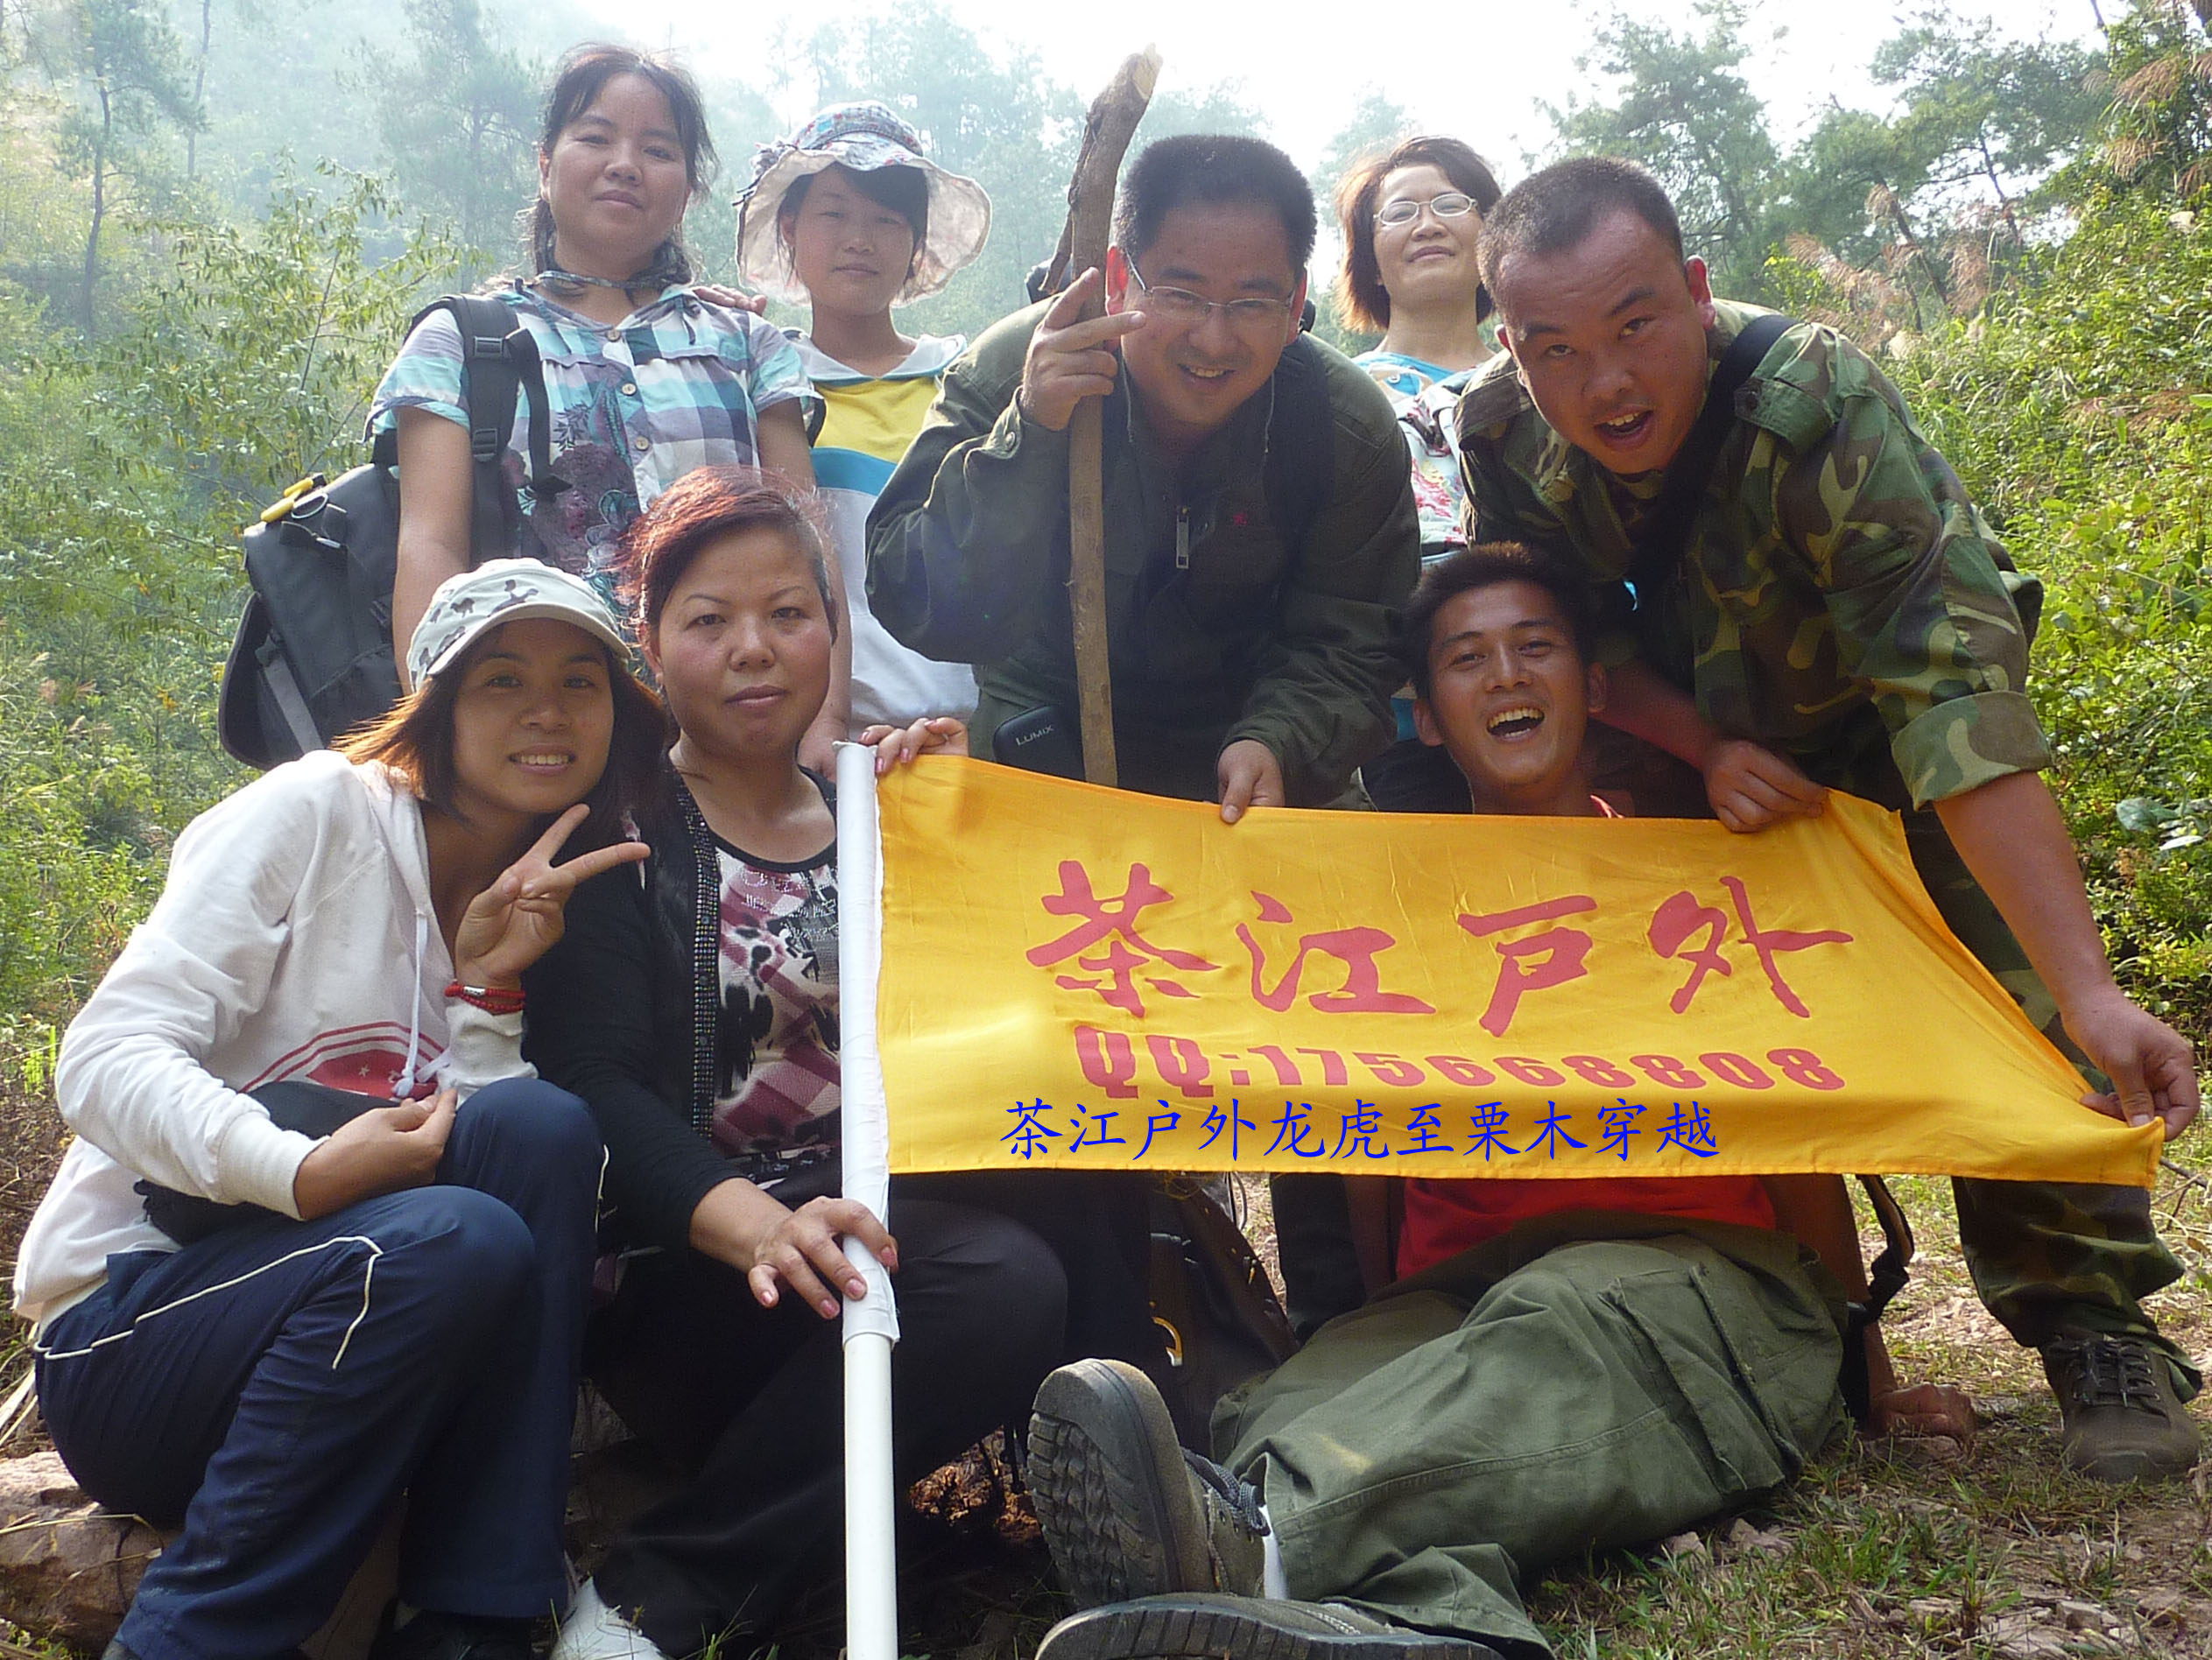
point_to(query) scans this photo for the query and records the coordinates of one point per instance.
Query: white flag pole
(871, 1323)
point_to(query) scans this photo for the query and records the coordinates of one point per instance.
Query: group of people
(550, 937)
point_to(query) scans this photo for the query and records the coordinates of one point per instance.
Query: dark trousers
(276, 1386)
(1098, 1224)
(751, 1402)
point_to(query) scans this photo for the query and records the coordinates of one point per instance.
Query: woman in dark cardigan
(693, 1005)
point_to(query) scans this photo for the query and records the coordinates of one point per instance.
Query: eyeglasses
(1404, 210)
(1182, 307)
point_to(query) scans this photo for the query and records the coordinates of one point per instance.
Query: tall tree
(1994, 114)
(1684, 108)
(457, 115)
(122, 69)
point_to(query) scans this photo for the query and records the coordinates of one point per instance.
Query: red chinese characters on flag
(1112, 923)
(1356, 948)
(1535, 962)
(1537, 952)
(1681, 915)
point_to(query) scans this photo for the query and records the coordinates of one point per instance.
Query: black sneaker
(2122, 1420)
(1127, 1512)
(1205, 1627)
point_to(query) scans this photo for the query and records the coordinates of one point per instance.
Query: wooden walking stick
(1107, 131)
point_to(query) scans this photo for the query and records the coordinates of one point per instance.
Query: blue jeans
(276, 1386)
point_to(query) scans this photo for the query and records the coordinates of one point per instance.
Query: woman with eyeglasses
(1413, 217)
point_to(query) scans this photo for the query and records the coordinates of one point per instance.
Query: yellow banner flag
(1074, 976)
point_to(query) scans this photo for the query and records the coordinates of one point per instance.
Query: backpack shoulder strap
(1660, 547)
(489, 380)
(499, 364)
(1301, 463)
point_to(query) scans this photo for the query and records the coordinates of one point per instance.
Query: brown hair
(704, 505)
(414, 738)
(583, 71)
(1362, 301)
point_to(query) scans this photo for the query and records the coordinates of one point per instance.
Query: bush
(2077, 407)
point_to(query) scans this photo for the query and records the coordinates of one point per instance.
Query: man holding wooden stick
(1259, 523)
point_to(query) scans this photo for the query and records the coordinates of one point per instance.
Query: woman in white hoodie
(267, 1336)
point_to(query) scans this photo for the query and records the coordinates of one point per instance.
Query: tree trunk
(199, 86)
(1107, 131)
(1988, 167)
(99, 205)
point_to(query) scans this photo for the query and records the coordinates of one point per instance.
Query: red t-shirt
(1446, 1217)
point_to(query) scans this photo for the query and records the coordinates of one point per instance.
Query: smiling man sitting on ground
(1567, 1365)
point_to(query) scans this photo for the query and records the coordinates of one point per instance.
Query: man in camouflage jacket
(1839, 617)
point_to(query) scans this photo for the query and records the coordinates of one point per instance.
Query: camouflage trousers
(2044, 1255)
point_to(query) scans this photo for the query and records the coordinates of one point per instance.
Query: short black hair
(904, 190)
(1552, 211)
(1213, 168)
(1486, 564)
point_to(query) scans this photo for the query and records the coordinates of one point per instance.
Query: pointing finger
(585, 865)
(1074, 300)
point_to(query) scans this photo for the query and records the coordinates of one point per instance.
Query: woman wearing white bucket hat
(849, 215)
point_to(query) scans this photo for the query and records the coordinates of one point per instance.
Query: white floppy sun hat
(861, 137)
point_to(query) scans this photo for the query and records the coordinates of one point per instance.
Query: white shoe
(594, 1631)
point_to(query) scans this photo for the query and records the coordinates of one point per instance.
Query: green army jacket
(1220, 624)
(1839, 597)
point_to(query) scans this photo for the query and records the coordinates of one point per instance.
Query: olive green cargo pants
(2045, 1257)
(1594, 1379)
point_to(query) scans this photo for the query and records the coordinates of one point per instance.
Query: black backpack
(313, 654)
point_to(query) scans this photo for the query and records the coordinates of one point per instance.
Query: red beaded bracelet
(493, 1000)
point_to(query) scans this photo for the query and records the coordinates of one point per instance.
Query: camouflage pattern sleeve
(1925, 610)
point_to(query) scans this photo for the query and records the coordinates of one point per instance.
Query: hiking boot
(1225, 1627)
(1127, 1512)
(2122, 1420)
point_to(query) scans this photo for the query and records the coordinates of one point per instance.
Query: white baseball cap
(504, 591)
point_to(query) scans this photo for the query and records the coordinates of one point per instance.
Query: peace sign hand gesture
(518, 920)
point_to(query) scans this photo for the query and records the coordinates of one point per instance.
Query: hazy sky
(1478, 70)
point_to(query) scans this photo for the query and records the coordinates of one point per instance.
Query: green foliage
(79, 853)
(1982, 110)
(125, 472)
(2078, 408)
(458, 115)
(1686, 112)
(2157, 131)
(118, 72)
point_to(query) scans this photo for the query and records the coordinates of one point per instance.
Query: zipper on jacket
(1182, 537)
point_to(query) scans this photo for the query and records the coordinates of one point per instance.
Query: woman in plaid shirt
(646, 375)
